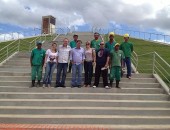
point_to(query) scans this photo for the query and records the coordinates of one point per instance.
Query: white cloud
(162, 41)
(143, 13)
(10, 36)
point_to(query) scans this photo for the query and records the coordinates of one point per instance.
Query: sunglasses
(101, 44)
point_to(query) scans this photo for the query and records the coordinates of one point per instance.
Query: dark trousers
(104, 73)
(70, 66)
(88, 68)
(61, 67)
(128, 65)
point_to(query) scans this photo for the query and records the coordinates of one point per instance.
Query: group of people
(97, 54)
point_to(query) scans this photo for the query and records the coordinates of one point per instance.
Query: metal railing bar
(162, 75)
(163, 68)
(162, 59)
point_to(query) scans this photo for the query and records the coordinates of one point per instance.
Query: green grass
(142, 47)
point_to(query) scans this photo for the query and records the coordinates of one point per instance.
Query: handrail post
(7, 52)
(18, 45)
(153, 67)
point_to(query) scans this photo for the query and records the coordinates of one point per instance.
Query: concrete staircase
(140, 104)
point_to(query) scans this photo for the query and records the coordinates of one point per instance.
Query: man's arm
(107, 62)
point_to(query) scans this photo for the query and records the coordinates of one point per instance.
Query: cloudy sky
(143, 14)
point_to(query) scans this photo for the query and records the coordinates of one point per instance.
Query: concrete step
(93, 96)
(16, 64)
(68, 78)
(153, 104)
(68, 84)
(85, 119)
(18, 61)
(80, 111)
(69, 89)
(5, 72)
(15, 69)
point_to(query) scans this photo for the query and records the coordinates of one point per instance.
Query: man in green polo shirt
(95, 43)
(37, 62)
(111, 43)
(116, 57)
(73, 45)
(127, 48)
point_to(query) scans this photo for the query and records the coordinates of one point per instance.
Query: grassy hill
(142, 47)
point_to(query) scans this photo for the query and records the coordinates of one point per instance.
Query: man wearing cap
(102, 64)
(127, 48)
(111, 43)
(73, 45)
(37, 62)
(95, 43)
(116, 57)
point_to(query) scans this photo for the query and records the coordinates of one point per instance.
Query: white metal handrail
(157, 66)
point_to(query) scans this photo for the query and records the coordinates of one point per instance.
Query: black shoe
(63, 86)
(117, 84)
(38, 84)
(72, 86)
(56, 86)
(111, 84)
(79, 86)
(33, 83)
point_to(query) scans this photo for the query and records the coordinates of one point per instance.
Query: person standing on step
(116, 57)
(102, 64)
(90, 60)
(50, 64)
(95, 43)
(127, 48)
(77, 58)
(111, 43)
(73, 45)
(63, 59)
(37, 62)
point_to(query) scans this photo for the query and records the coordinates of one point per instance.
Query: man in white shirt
(63, 59)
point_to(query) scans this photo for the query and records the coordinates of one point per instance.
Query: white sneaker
(43, 86)
(94, 86)
(49, 85)
(107, 87)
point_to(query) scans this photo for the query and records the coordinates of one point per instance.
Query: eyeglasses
(87, 44)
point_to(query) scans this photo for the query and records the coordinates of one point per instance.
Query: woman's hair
(54, 43)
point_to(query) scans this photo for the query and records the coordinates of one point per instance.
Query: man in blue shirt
(77, 59)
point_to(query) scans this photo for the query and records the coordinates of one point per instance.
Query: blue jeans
(61, 67)
(128, 65)
(76, 71)
(50, 67)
